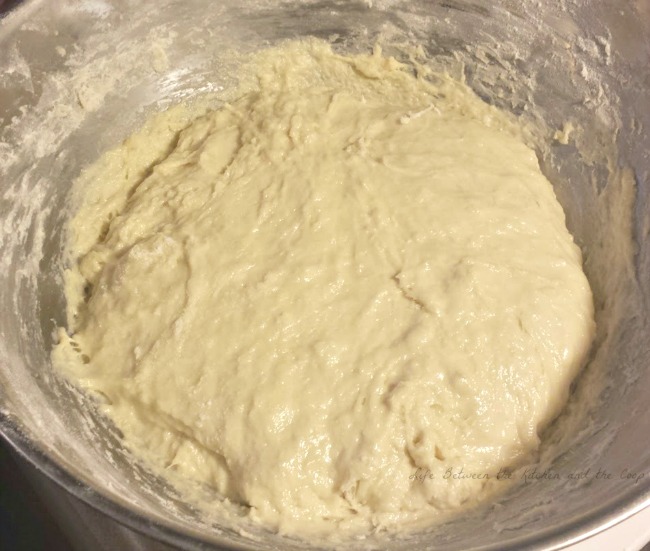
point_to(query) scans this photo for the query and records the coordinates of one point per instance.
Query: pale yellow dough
(346, 274)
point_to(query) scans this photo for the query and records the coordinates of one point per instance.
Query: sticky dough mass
(344, 276)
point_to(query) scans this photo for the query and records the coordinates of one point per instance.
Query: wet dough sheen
(344, 275)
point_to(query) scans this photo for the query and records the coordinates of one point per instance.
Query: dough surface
(343, 276)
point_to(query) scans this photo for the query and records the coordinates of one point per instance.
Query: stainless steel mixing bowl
(78, 76)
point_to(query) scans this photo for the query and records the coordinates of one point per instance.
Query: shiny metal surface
(79, 76)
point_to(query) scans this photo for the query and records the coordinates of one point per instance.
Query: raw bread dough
(345, 277)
